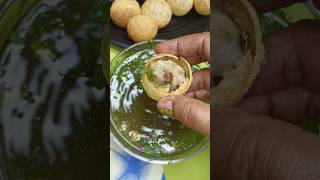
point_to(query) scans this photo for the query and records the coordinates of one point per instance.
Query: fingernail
(165, 107)
(157, 48)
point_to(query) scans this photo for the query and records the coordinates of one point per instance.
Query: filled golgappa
(166, 75)
(239, 51)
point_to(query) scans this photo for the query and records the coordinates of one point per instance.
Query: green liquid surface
(53, 99)
(135, 115)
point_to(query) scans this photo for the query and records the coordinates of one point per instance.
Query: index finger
(292, 59)
(194, 48)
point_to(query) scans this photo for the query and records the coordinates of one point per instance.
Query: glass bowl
(116, 131)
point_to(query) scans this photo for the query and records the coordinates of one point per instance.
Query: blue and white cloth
(125, 167)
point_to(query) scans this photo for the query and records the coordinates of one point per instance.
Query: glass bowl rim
(136, 155)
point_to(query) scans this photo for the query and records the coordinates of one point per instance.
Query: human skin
(261, 137)
(191, 109)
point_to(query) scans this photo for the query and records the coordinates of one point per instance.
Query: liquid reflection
(52, 94)
(135, 117)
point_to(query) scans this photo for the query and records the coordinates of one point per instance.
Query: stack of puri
(144, 22)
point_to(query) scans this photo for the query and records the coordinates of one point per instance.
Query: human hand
(260, 138)
(190, 109)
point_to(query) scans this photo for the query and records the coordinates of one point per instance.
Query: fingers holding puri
(195, 48)
(201, 94)
(200, 87)
(201, 80)
(291, 59)
(261, 145)
(192, 113)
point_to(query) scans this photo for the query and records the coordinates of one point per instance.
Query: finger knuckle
(188, 114)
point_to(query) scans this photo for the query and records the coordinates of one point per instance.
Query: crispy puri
(180, 7)
(142, 28)
(122, 11)
(202, 7)
(158, 10)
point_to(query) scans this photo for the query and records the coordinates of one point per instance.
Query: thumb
(193, 113)
(251, 146)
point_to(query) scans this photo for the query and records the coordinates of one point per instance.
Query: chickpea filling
(166, 75)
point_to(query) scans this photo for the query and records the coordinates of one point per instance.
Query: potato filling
(228, 52)
(166, 75)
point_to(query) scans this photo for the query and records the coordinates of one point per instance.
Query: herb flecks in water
(133, 111)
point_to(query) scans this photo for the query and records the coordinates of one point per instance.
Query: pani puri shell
(157, 93)
(158, 10)
(180, 7)
(236, 82)
(122, 11)
(142, 28)
(202, 7)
